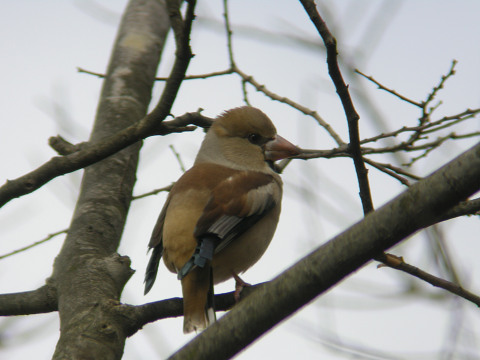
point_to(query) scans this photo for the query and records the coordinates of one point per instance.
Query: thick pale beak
(279, 148)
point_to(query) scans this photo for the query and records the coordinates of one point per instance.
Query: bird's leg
(239, 285)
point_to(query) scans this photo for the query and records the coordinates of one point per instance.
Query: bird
(221, 214)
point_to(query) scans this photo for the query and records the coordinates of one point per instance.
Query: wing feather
(236, 204)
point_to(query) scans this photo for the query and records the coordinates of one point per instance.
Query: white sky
(43, 95)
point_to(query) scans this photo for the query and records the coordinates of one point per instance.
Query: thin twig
(391, 91)
(398, 263)
(160, 78)
(154, 192)
(81, 70)
(64, 231)
(426, 128)
(202, 76)
(228, 31)
(179, 159)
(49, 237)
(440, 85)
(387, 171)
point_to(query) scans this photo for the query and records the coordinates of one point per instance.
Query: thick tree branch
(416, 208)
(89, 276)
(42, 300)
(138, 316)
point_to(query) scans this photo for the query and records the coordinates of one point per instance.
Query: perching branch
(140, 315)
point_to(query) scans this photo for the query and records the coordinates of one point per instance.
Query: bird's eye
(254, 138)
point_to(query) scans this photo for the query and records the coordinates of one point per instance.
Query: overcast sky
(407, 45)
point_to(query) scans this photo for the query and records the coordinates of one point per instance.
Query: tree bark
(88, 274)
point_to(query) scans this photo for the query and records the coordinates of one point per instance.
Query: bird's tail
(152, 267)
(198, 306)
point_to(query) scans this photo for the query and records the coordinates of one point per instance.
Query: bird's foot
(239, 285)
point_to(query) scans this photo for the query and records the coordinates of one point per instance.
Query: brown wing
(236, 204)
(198, 180)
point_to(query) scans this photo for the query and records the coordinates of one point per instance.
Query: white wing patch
(257, 199)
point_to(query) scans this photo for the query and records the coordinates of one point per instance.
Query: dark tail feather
(203, 253)
(152, 267)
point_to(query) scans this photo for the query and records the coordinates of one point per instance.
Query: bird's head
(245, 138)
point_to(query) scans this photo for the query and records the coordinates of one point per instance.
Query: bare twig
(202, 76)
(312, 113)
(178, 157)
(228, 30)
(426, 110)
(154, 192)
(64, 231)
(387, 171)
(160, 78)
(440, 85)
(391, 91)
(426, 125)
(81, 70)
(398, 263)
(426, 128)
(49, 237)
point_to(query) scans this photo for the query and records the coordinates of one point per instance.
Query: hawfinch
(222, 213)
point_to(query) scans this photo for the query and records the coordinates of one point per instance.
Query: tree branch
(88, 273)
(140, 315)
(465, 208)
(47, 238)
(391, 91)
(41, 300)
(342, 91)
(398, 263)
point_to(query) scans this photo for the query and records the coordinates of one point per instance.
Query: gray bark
(88, 275)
